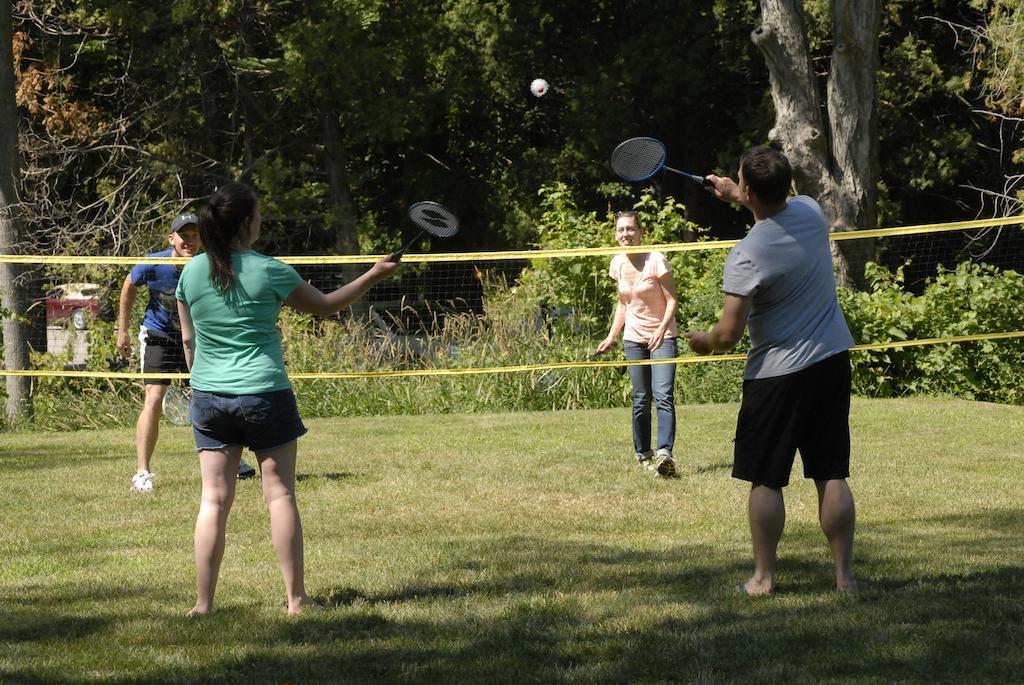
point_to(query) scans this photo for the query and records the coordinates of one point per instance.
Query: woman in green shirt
(229, 299)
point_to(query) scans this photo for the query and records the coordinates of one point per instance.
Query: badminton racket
(638, 159)
(177, 405)
(432, 218)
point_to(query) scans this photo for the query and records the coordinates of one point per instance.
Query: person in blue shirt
(160, 348)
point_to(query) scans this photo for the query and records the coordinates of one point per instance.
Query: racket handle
(703, 180)
(396, 256)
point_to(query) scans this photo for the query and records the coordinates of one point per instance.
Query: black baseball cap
(183, 220)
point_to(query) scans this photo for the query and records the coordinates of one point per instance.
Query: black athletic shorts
(808, 411)
(160, 354)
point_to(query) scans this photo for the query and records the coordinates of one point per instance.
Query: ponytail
(230, 209)
(217, 249)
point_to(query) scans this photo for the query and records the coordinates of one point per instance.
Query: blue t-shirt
(162, 280)
(785, 265)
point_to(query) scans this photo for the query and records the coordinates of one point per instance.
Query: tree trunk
(799, 126)
(12, 300)
(834, 158)
(853, 124)
(346, 236)
(346, 239)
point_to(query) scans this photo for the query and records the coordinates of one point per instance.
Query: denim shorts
(261, 421)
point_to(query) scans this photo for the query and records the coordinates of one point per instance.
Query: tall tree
(101, 170)
(15, 337)
(998, 49)
(834, 149)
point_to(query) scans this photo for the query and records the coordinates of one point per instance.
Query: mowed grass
(521, 548)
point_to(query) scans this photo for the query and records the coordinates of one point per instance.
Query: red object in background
(78, 302)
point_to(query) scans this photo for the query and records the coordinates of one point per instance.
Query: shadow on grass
(543, 609)
(23, 626)
(717, 466)
(330, 476)
(20, 460)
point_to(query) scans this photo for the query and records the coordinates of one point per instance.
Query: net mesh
(477, 331)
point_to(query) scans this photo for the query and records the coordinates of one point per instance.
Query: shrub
(61, 403)
(972, 299)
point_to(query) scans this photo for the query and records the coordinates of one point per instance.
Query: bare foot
(757, 588)
(196, 612)
(304, 604)
(849, 585)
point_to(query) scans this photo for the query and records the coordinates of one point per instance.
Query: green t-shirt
(237, 342)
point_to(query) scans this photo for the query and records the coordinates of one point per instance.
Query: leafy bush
(972, 299)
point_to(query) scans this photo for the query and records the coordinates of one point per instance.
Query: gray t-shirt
(785, 263)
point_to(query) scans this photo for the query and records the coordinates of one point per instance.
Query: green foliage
(970, 300)
(1000, 55)
(64, 404)
(999, 60)
(927, 135)
(513, 331)
(510, 332)
(431, 101)
(578, 286)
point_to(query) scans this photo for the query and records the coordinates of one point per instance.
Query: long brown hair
(230, 209)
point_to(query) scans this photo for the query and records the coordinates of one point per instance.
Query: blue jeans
(656, 381)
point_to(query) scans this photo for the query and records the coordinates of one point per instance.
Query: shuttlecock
(539, 87)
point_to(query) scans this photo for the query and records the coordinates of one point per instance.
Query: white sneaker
(664, 466)
(142, 482)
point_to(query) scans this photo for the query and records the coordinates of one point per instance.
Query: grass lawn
(521, 548)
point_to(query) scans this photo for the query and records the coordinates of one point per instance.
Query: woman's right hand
(605, 345)
(384, 269)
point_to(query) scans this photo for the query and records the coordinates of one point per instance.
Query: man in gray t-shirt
(796, 391)
(784, 265)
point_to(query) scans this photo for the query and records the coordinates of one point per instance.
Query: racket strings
(435, 219)
(177, 406)
(638, 159)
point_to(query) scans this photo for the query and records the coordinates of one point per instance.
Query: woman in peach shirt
(645, 316)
